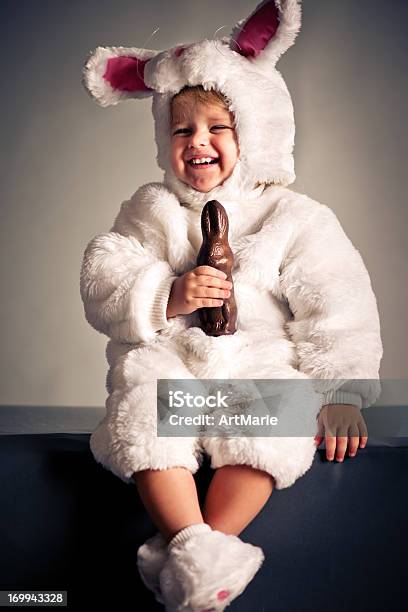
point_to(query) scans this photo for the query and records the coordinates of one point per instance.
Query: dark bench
(336, 540)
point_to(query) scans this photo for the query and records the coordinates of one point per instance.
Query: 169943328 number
(33, 598)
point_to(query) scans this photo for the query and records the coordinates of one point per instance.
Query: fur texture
(305, 310)
(208, 571)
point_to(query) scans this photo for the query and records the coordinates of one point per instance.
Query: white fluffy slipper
(151, 557)
(207, 572)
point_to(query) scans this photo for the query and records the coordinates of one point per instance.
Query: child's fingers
(208, 292)
(319, 437)
(354, 439)
(353, 445)
(363, 433)
(341, 447)
(337, 445)
(209, 303)
(210, 271)
(363, 441)
(212, 281)
(330, 447)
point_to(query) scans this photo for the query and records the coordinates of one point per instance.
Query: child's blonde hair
(194, 95)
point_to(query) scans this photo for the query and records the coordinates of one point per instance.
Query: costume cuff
(158, 319)
(342, 397)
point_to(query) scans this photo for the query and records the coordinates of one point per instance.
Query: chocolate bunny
(216, 252)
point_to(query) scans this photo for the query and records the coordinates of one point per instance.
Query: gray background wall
(66, 164)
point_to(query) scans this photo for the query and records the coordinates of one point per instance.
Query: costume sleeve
(125, 286)
(335, 324)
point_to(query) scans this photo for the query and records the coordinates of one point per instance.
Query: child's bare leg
(236, 494)
(170, 497)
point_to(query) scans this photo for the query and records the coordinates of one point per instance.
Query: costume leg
(126, 440)
(286, 459)
(295, 405)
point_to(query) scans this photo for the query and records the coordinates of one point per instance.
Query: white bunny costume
(305, 304)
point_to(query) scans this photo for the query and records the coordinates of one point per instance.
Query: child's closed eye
(214, 127)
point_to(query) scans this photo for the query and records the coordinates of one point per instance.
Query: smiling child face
(203, 131)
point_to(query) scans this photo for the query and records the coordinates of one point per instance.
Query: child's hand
(337, 422)
(203, 286)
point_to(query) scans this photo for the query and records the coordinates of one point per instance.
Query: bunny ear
(112, 74)
(268, 32)
(214, 220)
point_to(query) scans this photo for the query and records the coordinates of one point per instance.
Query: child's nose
(199, 138)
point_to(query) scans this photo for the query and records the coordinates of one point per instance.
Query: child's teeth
(202, 160)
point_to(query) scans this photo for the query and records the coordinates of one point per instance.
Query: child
(306, 309)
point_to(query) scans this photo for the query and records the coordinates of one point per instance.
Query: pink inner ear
(258, 30)
(178, 51)
(126, 73)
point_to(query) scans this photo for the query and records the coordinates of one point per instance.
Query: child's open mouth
(203, 162)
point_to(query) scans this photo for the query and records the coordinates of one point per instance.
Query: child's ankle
(185, 534)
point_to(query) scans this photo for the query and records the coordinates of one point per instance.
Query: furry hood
(242, 67)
